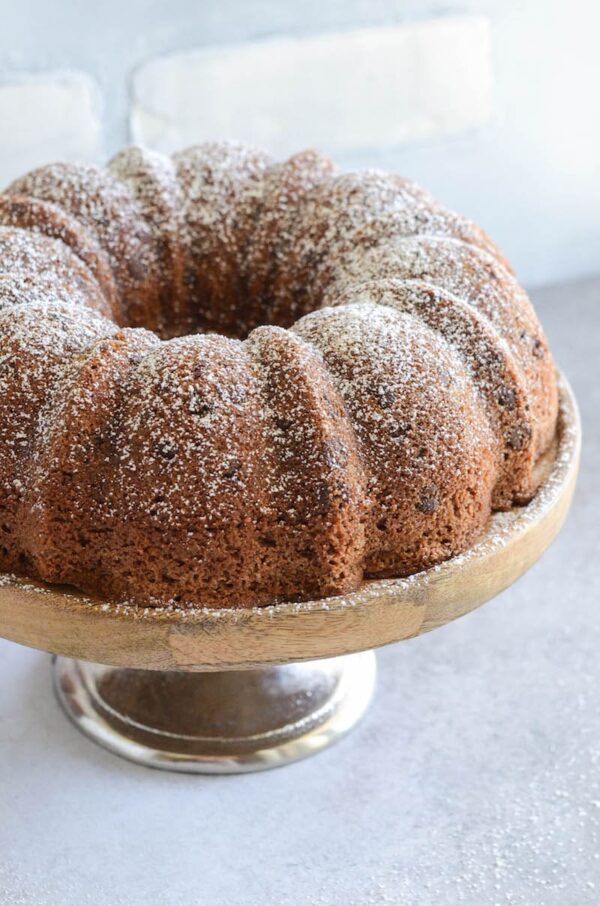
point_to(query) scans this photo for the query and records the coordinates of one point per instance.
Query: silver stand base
(217, 723)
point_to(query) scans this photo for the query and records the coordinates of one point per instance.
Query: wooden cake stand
(224, 691)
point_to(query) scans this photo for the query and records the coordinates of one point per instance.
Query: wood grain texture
(65, 622)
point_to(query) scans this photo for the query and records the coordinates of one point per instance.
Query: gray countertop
(474, 778)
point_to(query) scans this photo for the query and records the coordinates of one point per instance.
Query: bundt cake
(229, 382)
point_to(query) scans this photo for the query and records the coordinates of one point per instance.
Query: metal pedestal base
(217, 723)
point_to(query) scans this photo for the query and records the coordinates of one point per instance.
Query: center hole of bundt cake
(219, 319)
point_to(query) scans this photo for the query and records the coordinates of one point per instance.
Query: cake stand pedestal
(222, 722)
(211, 690)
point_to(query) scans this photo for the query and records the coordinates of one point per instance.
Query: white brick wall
(45, 118)
(404, 97)
(343, 92)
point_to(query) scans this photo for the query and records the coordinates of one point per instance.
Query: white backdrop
(530, 173)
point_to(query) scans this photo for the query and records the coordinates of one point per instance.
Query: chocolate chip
(167, 449)
(385, 397)
(400, 429)
(507, 397)
(538, 349)
(519, 437)
(429, 501)
(198, 407)
(137, 269)
(233, 468)
(267, 541)
(283, 424)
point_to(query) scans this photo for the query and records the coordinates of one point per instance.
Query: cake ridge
(397, 441)
(52, 221)
(492, 364)
(152, 180)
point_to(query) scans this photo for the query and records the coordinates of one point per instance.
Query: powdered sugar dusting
(503, 529)
(372, 440)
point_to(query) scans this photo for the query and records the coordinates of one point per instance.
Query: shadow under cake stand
(225, 691)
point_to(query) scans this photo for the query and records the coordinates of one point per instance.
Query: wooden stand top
(63, 621)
